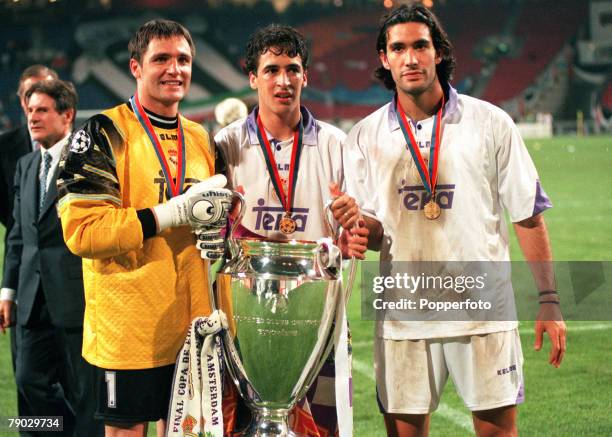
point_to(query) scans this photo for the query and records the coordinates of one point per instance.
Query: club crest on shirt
(81, 142)
(173, 156)
(285, 185)
(414, 170)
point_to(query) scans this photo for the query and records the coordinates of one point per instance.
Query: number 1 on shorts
(110, 378)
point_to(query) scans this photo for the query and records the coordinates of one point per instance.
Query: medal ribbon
(296, 152)
(176, 186)
(428, 176)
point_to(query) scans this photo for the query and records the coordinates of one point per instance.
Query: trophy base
(269, 423)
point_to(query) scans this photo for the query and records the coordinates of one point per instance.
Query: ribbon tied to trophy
(196, 407)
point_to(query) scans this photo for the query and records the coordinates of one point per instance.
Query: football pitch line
(457, 417)
(523, 331)
(571, 329)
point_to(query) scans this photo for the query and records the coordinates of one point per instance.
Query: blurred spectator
(229, 110)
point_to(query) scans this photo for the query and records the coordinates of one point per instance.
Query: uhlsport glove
(210, 243)
(204, 204)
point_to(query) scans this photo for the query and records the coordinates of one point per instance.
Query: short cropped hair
(63, 93)
(156, 29)
(279, 39)
(419, 14)
(36, 70)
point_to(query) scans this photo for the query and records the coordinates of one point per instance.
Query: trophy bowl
(280, 301)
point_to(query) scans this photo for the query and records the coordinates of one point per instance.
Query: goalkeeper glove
(209, 242)
(203, 204)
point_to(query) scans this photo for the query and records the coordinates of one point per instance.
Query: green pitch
(572, 400)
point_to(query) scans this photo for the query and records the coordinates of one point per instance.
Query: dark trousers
(22, 405)
(53, 377)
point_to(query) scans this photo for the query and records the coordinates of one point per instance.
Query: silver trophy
(280, 301)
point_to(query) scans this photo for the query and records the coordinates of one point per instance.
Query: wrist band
(556, 302)
(542, 293)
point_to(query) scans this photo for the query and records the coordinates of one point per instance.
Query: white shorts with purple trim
(487, 371)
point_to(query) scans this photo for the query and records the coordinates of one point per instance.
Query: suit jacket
(13, 145)
(37, 257)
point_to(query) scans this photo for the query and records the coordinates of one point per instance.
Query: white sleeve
(519, 188)
(358, 173)
(337, 142)
(7, 294)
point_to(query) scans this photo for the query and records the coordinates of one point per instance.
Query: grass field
(573, 400)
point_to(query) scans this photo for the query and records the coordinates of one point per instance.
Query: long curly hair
(420, 14)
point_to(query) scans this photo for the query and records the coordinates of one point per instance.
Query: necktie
(47, 158)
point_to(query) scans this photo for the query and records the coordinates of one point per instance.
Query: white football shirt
(484, 168)
(320, 164)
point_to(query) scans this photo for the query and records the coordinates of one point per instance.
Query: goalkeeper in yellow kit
(134, 181)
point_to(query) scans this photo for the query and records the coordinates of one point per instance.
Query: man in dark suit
(14, 144)
(47, 277)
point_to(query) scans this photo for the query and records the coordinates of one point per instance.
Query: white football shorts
(487, 371)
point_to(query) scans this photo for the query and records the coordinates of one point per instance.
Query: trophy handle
(329, 259)
(350, 281)
(233, 246)
(329, 220)
(353, 264)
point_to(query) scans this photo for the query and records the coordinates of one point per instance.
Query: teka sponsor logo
(269, 217)
(416, 197)
(164, 192)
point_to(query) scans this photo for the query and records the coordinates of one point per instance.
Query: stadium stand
(543, 27)
(90, 50)
(467, 24)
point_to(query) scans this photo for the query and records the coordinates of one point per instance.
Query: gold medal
(283, 187)
(425, 166)
(432, 210)
(287, 225)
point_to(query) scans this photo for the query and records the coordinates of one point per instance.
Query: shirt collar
(310, 127)
(157, 120)
(55, 150)
(450, 107)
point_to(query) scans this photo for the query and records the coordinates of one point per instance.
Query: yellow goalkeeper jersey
(140, 294)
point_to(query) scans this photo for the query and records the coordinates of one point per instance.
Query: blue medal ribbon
(175, 186)
(429, 175)
(296, 153)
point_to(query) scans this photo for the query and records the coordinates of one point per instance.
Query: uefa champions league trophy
(280, 300)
